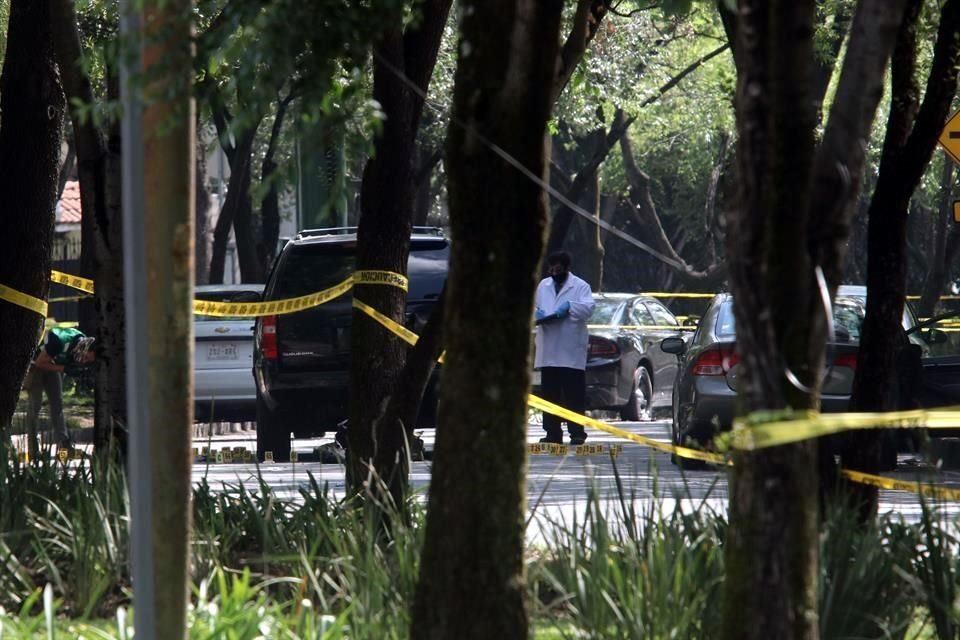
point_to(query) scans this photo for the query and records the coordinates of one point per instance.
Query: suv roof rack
(326, 231)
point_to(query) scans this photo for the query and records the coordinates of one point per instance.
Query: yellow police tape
(927, 490)
(74, 282)
(398, 329)
(537, 402)
(274, 307)
(24, 300)
(774, 428)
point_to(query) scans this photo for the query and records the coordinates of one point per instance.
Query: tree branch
(646, 214)
(690, 68)
(586, 23)
(841, 154)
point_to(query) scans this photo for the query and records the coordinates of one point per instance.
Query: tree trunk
(400, 417)
(97, 256)
(472, 582)
(237, 204)
(32, 104)
(912, 131)
(383, 242)
(772, 539)
(202, 228)
(110, 426)
(791, 217)
(938, 267)
(270, 207)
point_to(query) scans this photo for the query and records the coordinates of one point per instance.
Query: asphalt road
(557, 486)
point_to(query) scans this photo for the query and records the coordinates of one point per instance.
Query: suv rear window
(310, 268)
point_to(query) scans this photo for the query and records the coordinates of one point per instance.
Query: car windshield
(225, 296)
(605, 311)
(848, 314)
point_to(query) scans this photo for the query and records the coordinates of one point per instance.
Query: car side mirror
(691, 321)
(936, 336)
(676, 346)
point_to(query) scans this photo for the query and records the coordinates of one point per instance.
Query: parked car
(627, 371)
(704, 396)
(301, 360)
(223, 386)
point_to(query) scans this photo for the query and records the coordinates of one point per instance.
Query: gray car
(704, 396)
(224, 389)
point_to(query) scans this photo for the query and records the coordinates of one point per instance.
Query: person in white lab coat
(564, 303)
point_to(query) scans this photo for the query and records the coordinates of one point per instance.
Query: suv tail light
(602, 348)
(846, 360)
(715, 362)
(268, 338)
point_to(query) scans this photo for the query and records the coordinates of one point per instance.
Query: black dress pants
(567, 388)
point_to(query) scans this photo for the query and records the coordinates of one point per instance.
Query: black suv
(301, 361)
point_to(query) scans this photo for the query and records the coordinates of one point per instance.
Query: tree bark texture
(32, 103)
(911, 136)
(771, 550)
(472, 572)
(383, 242)
(202, 227)
(792, 216)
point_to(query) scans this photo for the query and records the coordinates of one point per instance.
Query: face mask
(559, 278)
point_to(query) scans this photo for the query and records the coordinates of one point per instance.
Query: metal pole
(137, 347)
(159, 209)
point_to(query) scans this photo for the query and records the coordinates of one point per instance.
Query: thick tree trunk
(771, 581)
(938, 268)
(383, 242)
(472, 568)
(32, 104)
(792, 217)
(97, 254)
(912, 131)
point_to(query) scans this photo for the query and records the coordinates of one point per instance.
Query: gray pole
(159, 211)
(137, 347)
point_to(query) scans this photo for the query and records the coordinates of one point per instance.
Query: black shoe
(549, 440)
(577, 440)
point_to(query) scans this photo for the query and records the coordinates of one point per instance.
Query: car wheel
(271, 435)
(687, 464)
(641, 397)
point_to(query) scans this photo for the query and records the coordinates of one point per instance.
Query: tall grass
(317, 567)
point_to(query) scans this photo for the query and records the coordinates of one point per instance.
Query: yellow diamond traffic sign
(950, 137)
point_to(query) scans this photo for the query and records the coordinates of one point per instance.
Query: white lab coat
(563, 343)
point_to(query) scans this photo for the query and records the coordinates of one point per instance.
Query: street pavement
(557, 486)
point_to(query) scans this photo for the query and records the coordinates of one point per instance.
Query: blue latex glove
(540, 314)
(563, 310)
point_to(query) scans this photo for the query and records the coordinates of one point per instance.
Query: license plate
(223, 352)
(535, 380)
